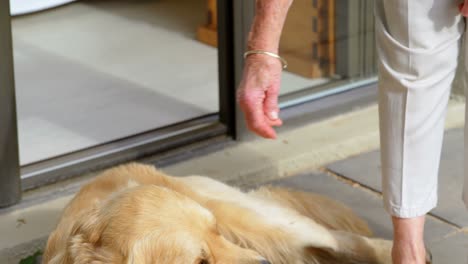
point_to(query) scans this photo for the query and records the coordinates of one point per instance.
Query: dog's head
(150, 224)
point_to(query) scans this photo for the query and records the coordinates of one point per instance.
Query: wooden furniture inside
(308, 39)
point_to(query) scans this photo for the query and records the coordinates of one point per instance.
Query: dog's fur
(135, 214)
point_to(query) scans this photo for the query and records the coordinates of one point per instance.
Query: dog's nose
(265, 262)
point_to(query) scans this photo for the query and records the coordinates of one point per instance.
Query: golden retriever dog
(135, 214)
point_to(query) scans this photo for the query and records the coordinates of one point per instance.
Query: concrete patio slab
(452, 249)
(447, 243)
(365, 169)
(366, 204)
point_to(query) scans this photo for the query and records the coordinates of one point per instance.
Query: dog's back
(323, 210)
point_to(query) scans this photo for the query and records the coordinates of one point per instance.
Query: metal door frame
(10, 184)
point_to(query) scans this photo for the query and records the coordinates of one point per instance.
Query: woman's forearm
(268, 23)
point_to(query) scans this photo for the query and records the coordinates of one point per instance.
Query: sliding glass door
(103, 82)
(93, 72)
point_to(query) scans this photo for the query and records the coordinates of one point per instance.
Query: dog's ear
(89, 225)
(84, 252)
(85, 246)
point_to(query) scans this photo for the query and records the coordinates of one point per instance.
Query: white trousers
(418, 43)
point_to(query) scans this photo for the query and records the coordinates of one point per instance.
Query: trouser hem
(410, 212)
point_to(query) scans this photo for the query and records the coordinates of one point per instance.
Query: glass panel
(327, 40)
(91, 72)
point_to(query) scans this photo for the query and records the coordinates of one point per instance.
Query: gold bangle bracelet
(271, 54)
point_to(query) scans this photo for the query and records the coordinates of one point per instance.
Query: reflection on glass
(95, 71)
(325, 40)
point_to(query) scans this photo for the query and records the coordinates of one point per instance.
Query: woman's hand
(259, 87)
(463, 7)
(258, 94)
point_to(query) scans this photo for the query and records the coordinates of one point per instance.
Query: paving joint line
(356, 184)
(350, 182)
(456, 232)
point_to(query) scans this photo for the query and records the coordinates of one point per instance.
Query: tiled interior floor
(94, 71)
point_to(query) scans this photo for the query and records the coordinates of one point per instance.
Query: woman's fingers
(271, 108)
(251, 102)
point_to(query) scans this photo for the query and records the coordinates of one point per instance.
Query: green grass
(31, 259)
